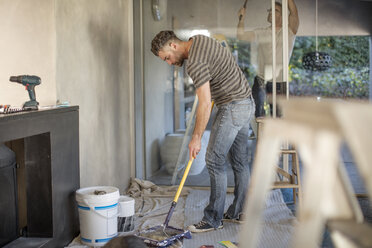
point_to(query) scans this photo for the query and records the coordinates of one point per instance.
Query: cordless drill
(30, 82)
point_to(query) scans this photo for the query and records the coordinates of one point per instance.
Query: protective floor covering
(278, 222)
(153, 203)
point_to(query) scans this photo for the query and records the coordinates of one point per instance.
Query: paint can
(126, 214)
(98, 211)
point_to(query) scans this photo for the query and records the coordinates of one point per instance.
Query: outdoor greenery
(348, 76)
(242, 52)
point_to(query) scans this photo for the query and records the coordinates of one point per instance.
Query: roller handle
(183, 180)
(174, 203)
(186, 173)
(169, 215)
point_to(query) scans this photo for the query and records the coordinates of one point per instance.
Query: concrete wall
(158, 91)
(27, 46)
(95, 71)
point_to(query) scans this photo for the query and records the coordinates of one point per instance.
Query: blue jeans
(229, 137)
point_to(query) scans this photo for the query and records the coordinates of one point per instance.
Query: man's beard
(179, 63)
(180, 60)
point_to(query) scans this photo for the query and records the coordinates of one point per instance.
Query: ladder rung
(283, 173)
(288, 151)
(285, 185)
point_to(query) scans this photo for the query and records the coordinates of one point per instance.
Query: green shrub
(347, 78)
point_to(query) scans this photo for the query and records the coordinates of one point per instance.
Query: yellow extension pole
(174, 203)
(183, 180)
(186, 173)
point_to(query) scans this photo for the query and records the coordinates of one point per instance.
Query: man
(216, 76)
(264, 40)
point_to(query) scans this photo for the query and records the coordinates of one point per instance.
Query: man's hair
(162, 39)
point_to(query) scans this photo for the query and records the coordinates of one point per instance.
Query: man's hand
(194, 146)
(241, 14)
(293, 21)
(241, 34)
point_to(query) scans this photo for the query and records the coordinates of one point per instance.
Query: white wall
(27, 46)
(95, 71)
(83, 52)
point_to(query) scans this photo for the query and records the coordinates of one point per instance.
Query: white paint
(27, 46)
(93, 71)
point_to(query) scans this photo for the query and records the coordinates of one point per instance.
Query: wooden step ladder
(286, 178)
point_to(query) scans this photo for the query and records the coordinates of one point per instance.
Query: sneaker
(227, 218)
(203, 226)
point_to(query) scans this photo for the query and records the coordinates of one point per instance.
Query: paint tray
(155, 236)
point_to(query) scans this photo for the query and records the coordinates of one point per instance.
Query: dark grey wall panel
(51, 153)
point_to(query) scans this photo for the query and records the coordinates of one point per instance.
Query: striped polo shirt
(209, 61)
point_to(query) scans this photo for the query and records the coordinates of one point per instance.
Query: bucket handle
(98, 213)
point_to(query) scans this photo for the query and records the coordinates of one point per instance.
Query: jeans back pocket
(241, 112)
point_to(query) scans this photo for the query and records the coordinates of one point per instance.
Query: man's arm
(202, 116)
(248, 35)
(294, 21)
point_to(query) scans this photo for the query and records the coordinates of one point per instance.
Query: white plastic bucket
(97, 214)
(126, 214)
(126, 207)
